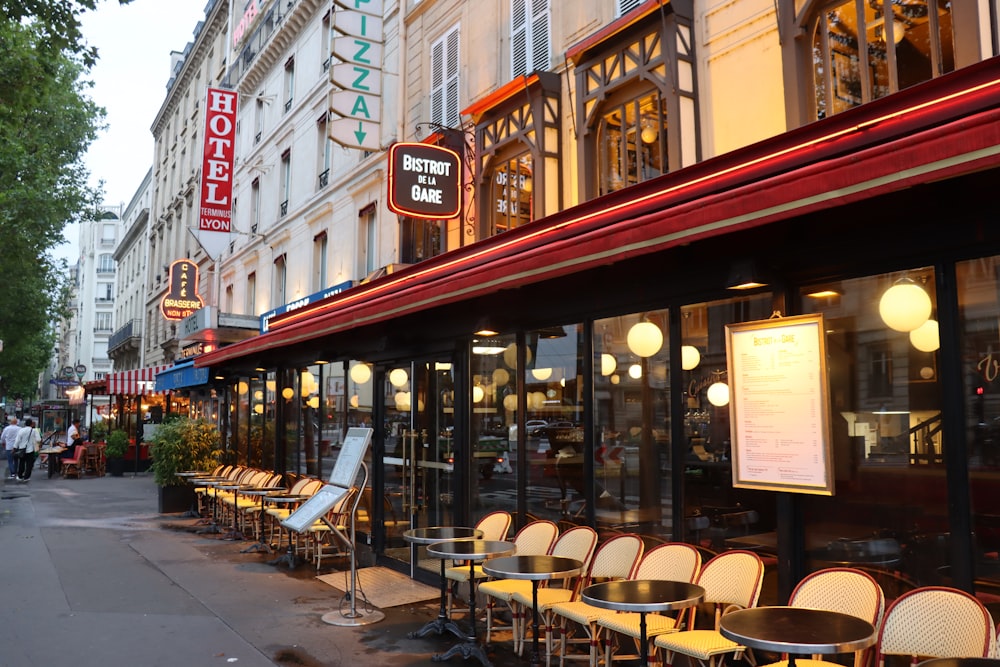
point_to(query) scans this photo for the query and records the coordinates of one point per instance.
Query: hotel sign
(182, 296)
(216, 205)
(356, 70)
(424, 181)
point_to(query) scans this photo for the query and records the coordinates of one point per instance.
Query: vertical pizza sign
(182, 296)
(215, 209)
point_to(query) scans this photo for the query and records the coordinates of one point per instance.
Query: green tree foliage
(46, 125)
(180, 444)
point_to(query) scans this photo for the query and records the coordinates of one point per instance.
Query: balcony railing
(284, 208)
(132, 329)
(324, 179)
(288, 105)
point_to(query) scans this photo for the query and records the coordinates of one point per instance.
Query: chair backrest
(842, 589)
(733, 578)
(311, 487)
(536, 538)
(674, 561)
(578, 542)
(299, 484)
(936, 622)
(617, 558)
(495, 526)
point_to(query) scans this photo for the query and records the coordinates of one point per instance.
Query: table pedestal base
(354, 619)
(210, 529)
(258, 546)
(439, 626)
(467, 649)
(288, 558)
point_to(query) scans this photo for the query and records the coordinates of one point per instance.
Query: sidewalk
(94, 576)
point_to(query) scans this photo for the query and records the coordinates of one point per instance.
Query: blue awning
(180, 376)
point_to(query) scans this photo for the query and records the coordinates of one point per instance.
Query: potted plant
(114, 452)
(180, 444)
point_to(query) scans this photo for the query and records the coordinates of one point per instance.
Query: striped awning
(137, 381)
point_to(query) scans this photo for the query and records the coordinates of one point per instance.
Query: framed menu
(311, 510)
(780, 405)
(352, 453)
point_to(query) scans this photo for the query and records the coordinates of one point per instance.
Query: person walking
(7, 437)
(28, 439)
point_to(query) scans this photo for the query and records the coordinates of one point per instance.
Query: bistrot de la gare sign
(424, 181)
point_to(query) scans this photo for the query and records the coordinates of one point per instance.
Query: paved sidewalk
(93, 576)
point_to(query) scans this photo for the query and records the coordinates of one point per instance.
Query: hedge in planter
(181, 444)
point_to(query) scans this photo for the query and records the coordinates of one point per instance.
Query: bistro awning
(181, 375)
(938, 130)
(136, 381)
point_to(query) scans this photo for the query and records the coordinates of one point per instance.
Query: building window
(280, 278)
(230, 299)
(319, 261)
(631, 139)
(862, 51)
(529, 36)
(252, 293)
(286, 181)
(511, 194)
(324, 151)
(105, 292)
(106, 263)
(108, 235)
(258, 118)
(327, 45)
(255, 206)
(368, 233)
(289, 84)
(420, 239)
(444, 80)
(102, 322)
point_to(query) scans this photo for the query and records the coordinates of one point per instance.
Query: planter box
(174, 499)
(116, 467)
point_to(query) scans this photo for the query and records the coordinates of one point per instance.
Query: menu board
(352, 453)
(779, 410)
(311, 510)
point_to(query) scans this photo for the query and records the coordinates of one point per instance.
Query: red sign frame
(215, 211)
(420, 181)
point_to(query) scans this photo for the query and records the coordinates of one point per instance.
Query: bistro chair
(732, 580)
(276, 513)
(675, 561)
(840, 589)
(536, 538)
(616, 558)
(495, 526)
(577, 542)
(321, 538)
(935, 622)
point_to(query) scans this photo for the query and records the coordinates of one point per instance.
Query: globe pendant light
(925, 337)
(608, 364)
(361, 373)
(398, 377)
(718, 394)
(905, 306)
(644, 339)
(690, 357)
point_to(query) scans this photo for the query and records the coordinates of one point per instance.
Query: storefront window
(889, 46)
(511, 194)
(632, 144)
(493, 424)
(889, 512)
(632, 423)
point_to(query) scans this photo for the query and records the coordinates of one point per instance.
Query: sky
(134, 42)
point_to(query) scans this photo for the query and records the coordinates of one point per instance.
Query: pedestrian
(7, 437)
(28, 439)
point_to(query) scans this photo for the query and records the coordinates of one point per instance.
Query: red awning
(942, 129)
(137, 381)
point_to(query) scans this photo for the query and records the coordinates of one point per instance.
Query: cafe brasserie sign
(424, 181)
(182, 296)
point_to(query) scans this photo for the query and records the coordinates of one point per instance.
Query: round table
(431, 535)
(643, 596)
(288, 558)
(213, 483)
(535, 568)
(797, 630)
(189, 475)
(263, 491)
(472, 551)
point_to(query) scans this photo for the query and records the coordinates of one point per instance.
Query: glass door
(418, 463)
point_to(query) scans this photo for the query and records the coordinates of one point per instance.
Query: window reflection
(632, 142)
(511, 194)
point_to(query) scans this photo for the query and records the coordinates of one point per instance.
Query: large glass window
(511, 194)
(866, 50)
(420, 239)
(632, 142)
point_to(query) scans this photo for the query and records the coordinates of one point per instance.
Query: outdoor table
(797, 630)
(52, 454)
(472, 551)
(213, 483)
(234, 533)
(432, 535)
(189, 475)
(643, 596)
(288, 558)
(261, 491)
(535, 568)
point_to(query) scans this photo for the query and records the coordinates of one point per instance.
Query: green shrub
(117, 445)
(183, 444)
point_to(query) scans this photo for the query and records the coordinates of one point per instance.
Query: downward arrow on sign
(359, 134)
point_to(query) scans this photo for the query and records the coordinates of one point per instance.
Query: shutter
(540, 36)
(518, 38)
(451, 109)
(437, 82)
(625, 6)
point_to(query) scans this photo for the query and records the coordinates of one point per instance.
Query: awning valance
(136, 381)
(181, 375)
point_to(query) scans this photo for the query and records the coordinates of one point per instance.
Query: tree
(46, 125)
(56, 22)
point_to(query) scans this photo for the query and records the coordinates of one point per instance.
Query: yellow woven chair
(732, 580)
(535, 539)
(840, 589)
(935, 622)
(495, 527)
(675, 561)
(617, 558)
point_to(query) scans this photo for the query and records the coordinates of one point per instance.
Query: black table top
(441, 534)
(470, 549)
(797, 630)
(537, 567)
(643, 595)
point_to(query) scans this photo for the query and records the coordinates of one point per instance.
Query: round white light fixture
(648, 134)
(615, 379)
(270, 384)
(402, 399)
(904, 306)
(242, 388)
(608, 364)
(308, 382)
(500, 377)
(541, 374)
(398, 377)
(510, 402)
(925, 337)
(635, 371)
(690, 357)
(926, 372)
(313, 402)
(258, 395)
(354, 401)
(361, 373)
(287, 393)
(718, 394)
(644, 339)
(510, 355)
(258, 408)
(478, 394)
